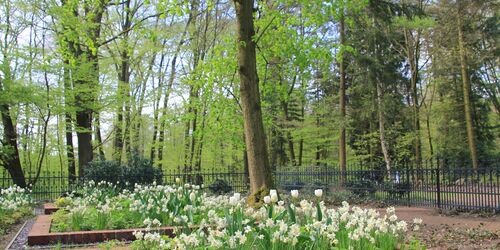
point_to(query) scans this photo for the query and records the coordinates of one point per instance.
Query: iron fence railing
(441, 185)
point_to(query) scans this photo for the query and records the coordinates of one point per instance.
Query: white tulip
(295, 193)
(318, 192)
(237, 196)
(274, 197)
(267, 199)
(192, 196)
(232, 200)
(273, 192)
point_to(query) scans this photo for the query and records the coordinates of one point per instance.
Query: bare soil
(5, 239)
(463, 231)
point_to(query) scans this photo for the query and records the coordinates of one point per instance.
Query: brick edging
(49, 208)
(40, 234)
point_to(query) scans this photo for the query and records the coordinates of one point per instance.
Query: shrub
(101, 170)
(293, 185)
(220, 187)
(361, 187)
(141, 170)
(137, 170)
(398, 190)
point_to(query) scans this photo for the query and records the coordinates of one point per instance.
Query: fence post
(438, 185)
(408, 185)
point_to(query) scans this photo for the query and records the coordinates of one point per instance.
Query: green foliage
(362, 187)
(220, 186)
(137, 170)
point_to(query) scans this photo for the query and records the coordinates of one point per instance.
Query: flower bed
(15, 204)
(225, 222)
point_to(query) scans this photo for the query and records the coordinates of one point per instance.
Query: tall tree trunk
(342, 146)
(161, 134)
(120, 128)
(86, 76)
(381, 125)
(12, 163)
(412, 49)
(98, 137)
(68, 103)
(289, 137)
(156, 107)
(466, 87)
(255, 139)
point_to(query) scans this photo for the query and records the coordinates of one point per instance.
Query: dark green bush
(362, 187)
(293, 185)
(220, 187)
(137, 170)
(398, 190)
(101, 170)
(141, 170)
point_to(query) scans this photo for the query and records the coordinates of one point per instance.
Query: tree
(9, 152)
(255, 140)
(466, 88)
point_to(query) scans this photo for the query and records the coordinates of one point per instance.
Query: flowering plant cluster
(15, 204)
(278, 224)
(102, 206)
(13, 198)
(225, 222)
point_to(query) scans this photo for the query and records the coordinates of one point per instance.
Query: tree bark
(68, 103)
(161, 134)
(466, 87)
(98, 137)
(12, 162)
(381, 124)
(412, 49)
(255, 140)
(342, 88)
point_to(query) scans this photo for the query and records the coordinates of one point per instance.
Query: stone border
(40, 234)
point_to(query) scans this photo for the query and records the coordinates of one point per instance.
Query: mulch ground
(462, 231)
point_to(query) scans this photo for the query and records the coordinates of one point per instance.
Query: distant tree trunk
(255, 139)
(171, 79)
(466, 87)
(68, 103)
(156, 107)
(98, 136)
(412, 49)
(138, 142)
(342, 88)
(381, 124)
(289, 137)
(318, 147)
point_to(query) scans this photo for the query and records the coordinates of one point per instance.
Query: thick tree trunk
(466, 87)
(342, 142)
(12, 163)
(255, 139)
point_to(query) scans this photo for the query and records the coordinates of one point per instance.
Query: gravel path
(22, 238)
(21, 241)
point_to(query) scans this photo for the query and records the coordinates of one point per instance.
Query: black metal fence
(439, 184)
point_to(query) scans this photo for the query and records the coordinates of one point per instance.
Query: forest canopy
(338, 82)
